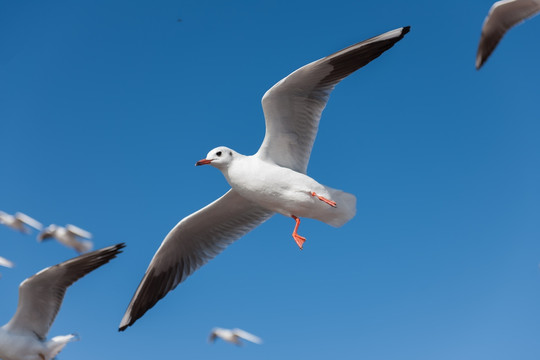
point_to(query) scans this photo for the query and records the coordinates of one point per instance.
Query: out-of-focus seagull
(273, 180)
(6, 263)
(68, 236)
(233, 336)
(40, 298)
(19, 221)
(502, 16)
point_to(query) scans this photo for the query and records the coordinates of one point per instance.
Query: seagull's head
(219, 157)
(47, 232)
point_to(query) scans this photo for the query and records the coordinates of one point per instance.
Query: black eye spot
(218, 153)
(230, 153)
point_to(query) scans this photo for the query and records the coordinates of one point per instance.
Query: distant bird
(502, 16)
(273, 180)
(233, 336)
(178, 20)
(69, 236)
(40, 298)
(6, 263)
(19, 222)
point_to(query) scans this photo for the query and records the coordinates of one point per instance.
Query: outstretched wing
(194, 241)
(41, 295)
(502, 16)
(247, 336)
(29, 221)
(78, 231)
(293, 106)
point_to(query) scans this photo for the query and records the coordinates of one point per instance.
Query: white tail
(345, 210)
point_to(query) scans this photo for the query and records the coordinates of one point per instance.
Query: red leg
(329, 202)
(299, 239)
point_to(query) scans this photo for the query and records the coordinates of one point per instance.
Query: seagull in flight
(233, 336)
(19, 222)
(272, 181)
(502, 16)
(6, 263)
(40, 298)
(69, 236)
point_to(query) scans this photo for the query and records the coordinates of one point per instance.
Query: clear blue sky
(106, 106)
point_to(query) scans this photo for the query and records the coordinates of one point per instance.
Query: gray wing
(41, 295)
(293, 106)
(247, 336)
(194, 241)
(502, 16)
(29, 221)
(78, 231)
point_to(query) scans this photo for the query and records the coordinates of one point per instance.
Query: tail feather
(345, 210)
(57, 343)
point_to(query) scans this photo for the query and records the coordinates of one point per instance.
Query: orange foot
(329, 202)
(300, 240)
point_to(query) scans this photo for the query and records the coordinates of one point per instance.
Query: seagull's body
(69, 236)
(273, 180)
(233, 336)
(40, 298)
(283, 190)
(502, 16)
(19, 222)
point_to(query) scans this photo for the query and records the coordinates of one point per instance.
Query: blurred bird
(233, 336)
(6, 263)
(19, 222)
(40, 298)
(502, 16)
(273, 180)
(69, 236)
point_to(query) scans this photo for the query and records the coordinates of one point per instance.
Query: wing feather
(293, 106)
(247, 336)
(78, 231)
(502, 16)
(194, 241)
(29, 221)
(41, 295)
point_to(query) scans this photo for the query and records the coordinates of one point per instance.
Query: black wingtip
(405, 30)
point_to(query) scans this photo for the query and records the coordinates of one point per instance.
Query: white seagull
(19, 221)
(502, 16)
(69, 236)
(272, 181)
(233, 336)
(40, 298)
(6, 263)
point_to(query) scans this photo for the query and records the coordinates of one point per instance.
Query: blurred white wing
(29, 221)
(247, 336)
(41, 295)
(6, 263)
(78, 231)
(502, 16)
(194, 241)
(293, 106)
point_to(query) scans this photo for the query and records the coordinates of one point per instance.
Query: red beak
(203, 162)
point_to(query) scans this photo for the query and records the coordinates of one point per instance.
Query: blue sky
(106, 106)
